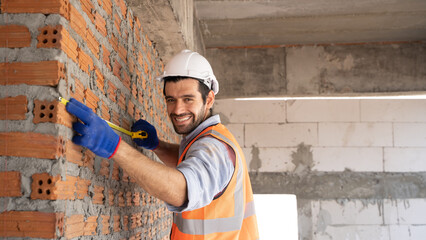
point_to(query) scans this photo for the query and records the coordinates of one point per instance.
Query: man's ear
(210, 99)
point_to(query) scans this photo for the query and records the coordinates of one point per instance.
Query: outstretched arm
(166, 183)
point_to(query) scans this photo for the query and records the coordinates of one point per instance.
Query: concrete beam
(319, 70)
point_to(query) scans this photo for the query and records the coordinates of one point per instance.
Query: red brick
(126, 123)
(133, 221)
(121, 202)
(92, 43)
(111, 198)
(122, 5)
(91, 99)
(115, 172)
(27, 224)
(126, 223)
(78, 92)
(122, 101)
(131, 108)
(105, 112)
(104, 171)
(13, 108)
(126, 80)
(115, 117)
(88, 8)
(82, 188)
(100, 24)
(129, 199)
(100, 80)
(138, 114)
(46, 73)
(77, 22)
(98, 195)
(89, 159)
(116, 226)
(54, 112)
(117, 22)
(140, 99)
(36, 6)
(107, 6)
(85, 61)
(136, 198)
(105, 58)
(113, 40)
(112, 91)
(122, 53)
(90, 226)
(29, 144)
(48, 187)
(131, 63)
(13, 186)
(57, 37)
(74, 153)
(105, 224)
(74, 226)
(14, 36)
(117, 69)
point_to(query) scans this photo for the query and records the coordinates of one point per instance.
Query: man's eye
(170, 100)
(188, 99)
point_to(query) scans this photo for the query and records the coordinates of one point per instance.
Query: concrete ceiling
(236, 23)
(171, 25)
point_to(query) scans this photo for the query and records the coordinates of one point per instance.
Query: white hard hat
(191, 64)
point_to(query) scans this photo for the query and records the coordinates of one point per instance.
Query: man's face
(185, 105)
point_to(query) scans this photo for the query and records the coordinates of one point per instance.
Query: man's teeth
(182, 119)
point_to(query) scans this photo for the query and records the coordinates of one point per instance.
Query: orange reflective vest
(230, 216)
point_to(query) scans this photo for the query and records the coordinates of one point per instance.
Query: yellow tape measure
(138, 134)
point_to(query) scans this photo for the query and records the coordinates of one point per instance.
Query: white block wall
(359, 135)
(383, 135)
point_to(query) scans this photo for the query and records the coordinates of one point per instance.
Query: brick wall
(356, 166)
(97, 52)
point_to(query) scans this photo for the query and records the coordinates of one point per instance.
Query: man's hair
(202, 88)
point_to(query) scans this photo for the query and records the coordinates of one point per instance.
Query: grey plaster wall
(320, 70)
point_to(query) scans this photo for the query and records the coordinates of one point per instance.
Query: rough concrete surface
(327, 185)
(249, 72)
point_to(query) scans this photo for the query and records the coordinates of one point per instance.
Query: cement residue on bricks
(65, 58)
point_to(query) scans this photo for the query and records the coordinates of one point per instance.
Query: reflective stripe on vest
(207, 226)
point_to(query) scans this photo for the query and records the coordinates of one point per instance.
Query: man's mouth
(180, 119)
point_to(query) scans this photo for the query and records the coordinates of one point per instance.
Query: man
(204, 181)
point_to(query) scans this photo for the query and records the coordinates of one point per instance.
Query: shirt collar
(213, 120)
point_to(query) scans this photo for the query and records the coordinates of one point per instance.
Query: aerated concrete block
(280, 135)
(250, 111)
(410, 134)
(332, 159)
(323, 110)
(393, 110)
(405, 159)
(355, 134)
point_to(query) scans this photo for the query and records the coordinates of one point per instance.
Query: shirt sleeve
(207, 170)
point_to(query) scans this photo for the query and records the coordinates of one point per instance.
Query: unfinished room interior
(326, 98)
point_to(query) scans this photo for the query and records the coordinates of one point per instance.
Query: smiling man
(204, 181)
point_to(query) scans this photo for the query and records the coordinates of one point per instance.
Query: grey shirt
(206, 167)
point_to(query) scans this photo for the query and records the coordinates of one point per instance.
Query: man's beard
(191, 126)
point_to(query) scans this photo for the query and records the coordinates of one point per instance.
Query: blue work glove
(151, 142)
(94, 133)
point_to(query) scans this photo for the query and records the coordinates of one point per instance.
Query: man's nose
(178, 108)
